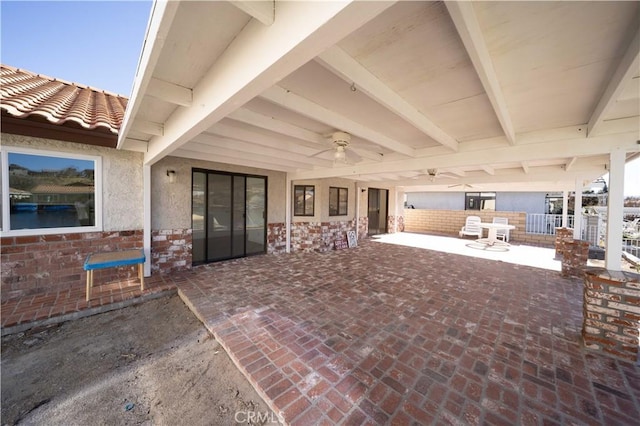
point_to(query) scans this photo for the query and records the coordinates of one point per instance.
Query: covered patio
(391, 334)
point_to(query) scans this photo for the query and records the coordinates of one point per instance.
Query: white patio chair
(472, 227)
(502, 234)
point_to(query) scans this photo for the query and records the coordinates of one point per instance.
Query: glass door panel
(256, 215)
(374, 211)
(238, 216)
(219, 217)
(198, 213)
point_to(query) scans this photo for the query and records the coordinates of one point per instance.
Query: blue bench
(112, 260)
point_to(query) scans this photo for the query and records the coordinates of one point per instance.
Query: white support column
(615, 208)
(395, 209)
(357, 219)
(565, 209)
(577, 211)
(287, 212)
(146, 230)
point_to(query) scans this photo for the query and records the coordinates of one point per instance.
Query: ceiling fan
(341, 155)
(433, 174)
(462, 185)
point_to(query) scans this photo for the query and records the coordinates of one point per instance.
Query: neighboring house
(73, 193)
(527, 202)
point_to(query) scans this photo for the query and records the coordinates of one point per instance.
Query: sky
(37, 163)
(95, 43)
(98, 43)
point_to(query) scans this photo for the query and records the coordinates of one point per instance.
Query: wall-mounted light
(172, 176)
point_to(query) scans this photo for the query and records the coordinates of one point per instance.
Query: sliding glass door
(228, 215)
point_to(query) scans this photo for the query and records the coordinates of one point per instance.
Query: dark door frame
(386, 209)
(207, 172)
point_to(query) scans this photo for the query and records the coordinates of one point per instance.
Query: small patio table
(492, 238)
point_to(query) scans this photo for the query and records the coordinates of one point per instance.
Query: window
(480, 201)
(338, 201)
(48, 192)
(304, 200)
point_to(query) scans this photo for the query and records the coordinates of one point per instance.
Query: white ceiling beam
(224, 129)
(525, 166)
(233, 153)
(237, 145)
(265, 122)
(162, 14)
(169, 92)
(627, 69)
(474, 158)
(301, 105)
(457, 172)
(262, 121)
(148, 127)
(537, 174)
(570, 163)
(217, 158)
(488, 169)
(350, 70)
(466, 22)
(257, 57)
(136, 145)
(262, 10)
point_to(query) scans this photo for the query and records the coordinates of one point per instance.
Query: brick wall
(314, 236)
(449, 222)
(391, 222)
(276, 238)
(363, 227)
(611, 310)
(34, 264)
(318, 236)
(171, 250)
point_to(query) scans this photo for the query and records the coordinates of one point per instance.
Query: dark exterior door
(228, 215)
(377, 212)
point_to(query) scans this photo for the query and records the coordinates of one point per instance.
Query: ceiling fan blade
(352, 156)
(322, 152)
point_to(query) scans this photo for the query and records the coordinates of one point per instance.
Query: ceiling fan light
(340, 154)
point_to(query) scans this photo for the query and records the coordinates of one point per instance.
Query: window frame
(5, 226)
(304, 200)
(480, 197)
(339, 190)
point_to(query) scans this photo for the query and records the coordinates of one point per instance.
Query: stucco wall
(528, 202)
(171, 202)
(121, 178)
(321, 207)
(436, 200)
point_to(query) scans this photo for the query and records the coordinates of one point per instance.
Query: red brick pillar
(611, 313)
(574, 258)
(562, 236)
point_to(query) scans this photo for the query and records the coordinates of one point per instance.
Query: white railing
(594, 230)
(545, 224)
(631, 246)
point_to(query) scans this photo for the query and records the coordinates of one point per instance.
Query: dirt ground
(153, 363)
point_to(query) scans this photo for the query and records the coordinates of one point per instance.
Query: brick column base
(574, 258)
(611, 313)
(562, 236)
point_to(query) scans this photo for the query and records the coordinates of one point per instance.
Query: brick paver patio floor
(60, 305)
(387, 334)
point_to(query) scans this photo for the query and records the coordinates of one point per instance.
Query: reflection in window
(50, 191)
(338, 201)
(304, 200)
(480, 201)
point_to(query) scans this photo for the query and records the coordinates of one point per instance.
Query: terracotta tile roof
(24, 94)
